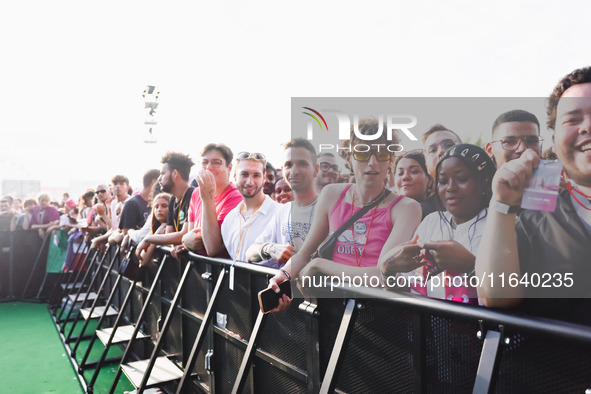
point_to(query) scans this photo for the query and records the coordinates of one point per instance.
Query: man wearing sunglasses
(512, 133)
(120, 189)
(329, 171)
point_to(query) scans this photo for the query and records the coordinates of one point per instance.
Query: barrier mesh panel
(192, 327)
(227, 360)
(269, 379)
(331, 313)
(284, 334)
(193, 296)
(379, 356)
(452, 353)
(531, 364)
(236, 305)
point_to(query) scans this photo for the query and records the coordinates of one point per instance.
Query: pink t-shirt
(361, 244)
(224, 203)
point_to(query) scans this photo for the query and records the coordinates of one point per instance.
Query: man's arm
(498, 251)
(268, 250)
(210, 227)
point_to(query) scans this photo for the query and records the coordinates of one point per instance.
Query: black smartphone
(269, 300)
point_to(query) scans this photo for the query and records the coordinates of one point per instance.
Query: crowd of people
(449, 209)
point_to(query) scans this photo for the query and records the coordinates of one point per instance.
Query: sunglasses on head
(248, 155)
(381, 155)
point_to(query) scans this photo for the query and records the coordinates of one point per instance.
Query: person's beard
(246, 194)
(166, 188)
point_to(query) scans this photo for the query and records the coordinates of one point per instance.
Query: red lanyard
(358, 261)
(571, 188)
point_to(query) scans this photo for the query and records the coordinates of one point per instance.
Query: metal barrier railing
(370, 341)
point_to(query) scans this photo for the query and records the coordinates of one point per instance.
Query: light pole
(150, 96)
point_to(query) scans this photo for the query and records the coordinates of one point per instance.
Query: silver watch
(503, 208)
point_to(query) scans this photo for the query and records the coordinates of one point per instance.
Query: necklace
(372, 201)
(572, 189)
(358, 260)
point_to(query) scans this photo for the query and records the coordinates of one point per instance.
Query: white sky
(73, 71)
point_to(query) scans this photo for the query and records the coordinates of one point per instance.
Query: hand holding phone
(269, 300)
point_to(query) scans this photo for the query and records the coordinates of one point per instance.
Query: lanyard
(241, 238)
(178, 213)
(571, 188)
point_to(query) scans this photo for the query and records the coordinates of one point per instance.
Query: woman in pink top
(360, 247)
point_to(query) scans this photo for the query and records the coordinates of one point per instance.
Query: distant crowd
(449, 209)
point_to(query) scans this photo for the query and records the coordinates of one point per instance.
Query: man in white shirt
(244, 223)
(291, 224)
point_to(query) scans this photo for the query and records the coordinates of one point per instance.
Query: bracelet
(287, 275)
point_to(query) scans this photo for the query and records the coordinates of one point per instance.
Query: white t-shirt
(468, 234)
(116, 208)
(290, 225)
(136, 236)
(235, 227)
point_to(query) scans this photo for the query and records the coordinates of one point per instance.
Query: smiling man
(512, 133)
(290, 225)
(553, 243)
(249, 219)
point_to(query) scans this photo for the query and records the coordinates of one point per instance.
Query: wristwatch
(503, 208)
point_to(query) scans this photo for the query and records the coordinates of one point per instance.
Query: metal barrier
(19, 250)
(388, 342)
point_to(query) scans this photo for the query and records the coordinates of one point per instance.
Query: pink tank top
(364, 233)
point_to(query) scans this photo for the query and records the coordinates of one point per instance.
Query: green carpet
(33, 359)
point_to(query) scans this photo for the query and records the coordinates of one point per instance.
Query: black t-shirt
(552, 244)
(179, 211)
(134, 213)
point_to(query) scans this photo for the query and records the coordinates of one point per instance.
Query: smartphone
(269, 300)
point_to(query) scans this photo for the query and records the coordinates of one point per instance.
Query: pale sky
(73, 72)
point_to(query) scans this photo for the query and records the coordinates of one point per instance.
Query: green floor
(33, 359)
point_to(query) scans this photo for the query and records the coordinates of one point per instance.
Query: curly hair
(180, 162)
(578, 76)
